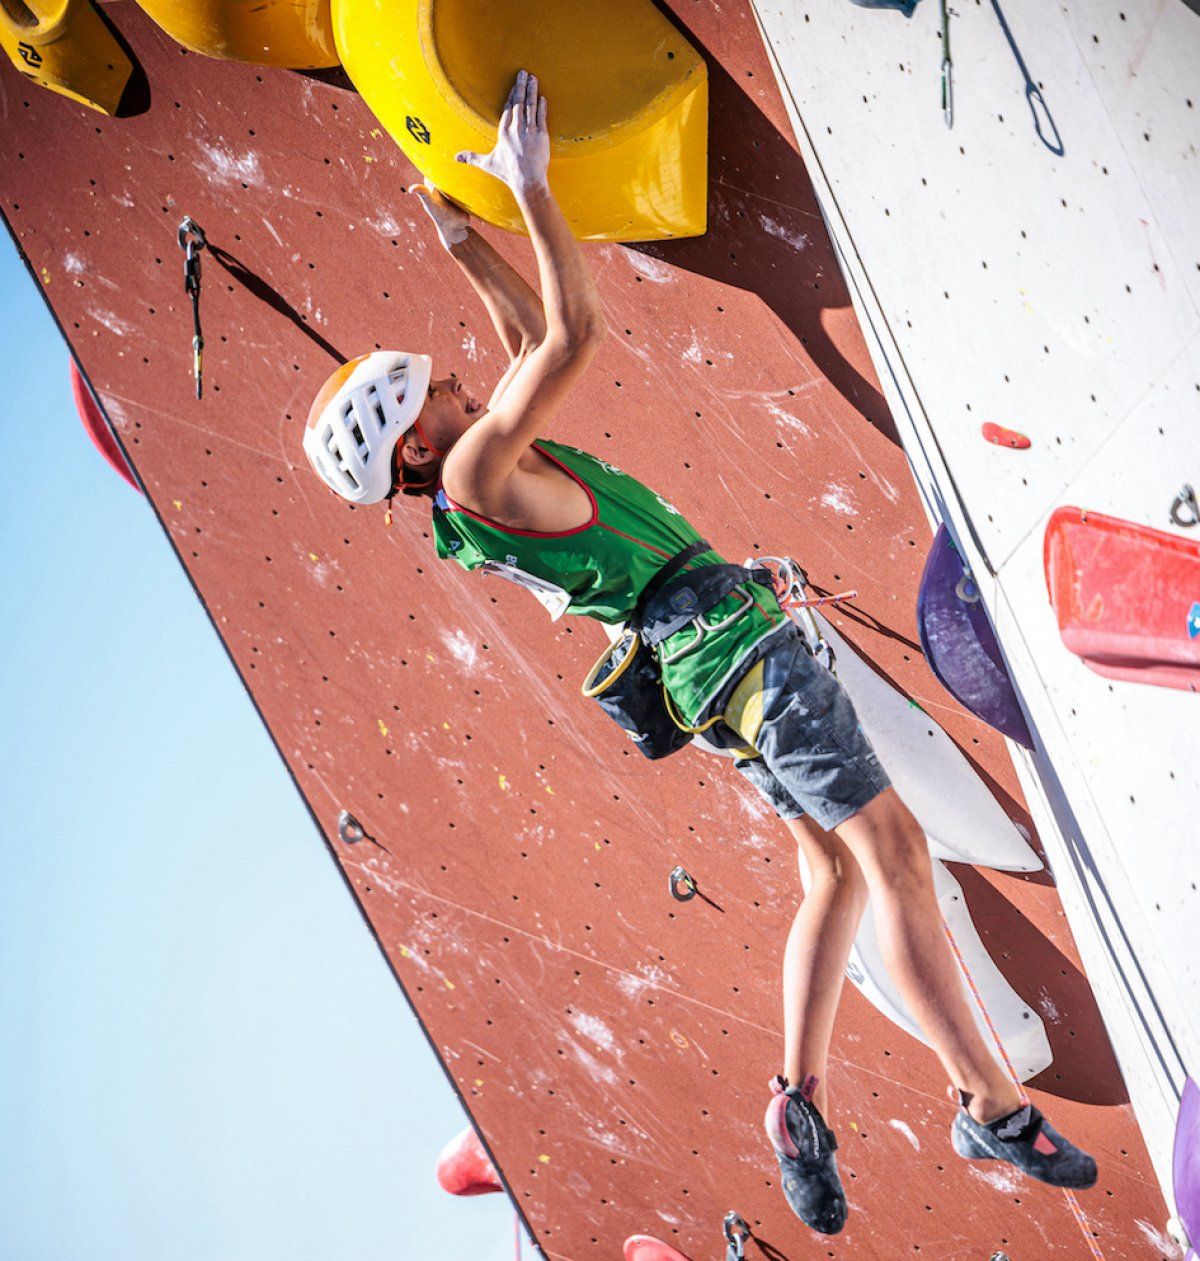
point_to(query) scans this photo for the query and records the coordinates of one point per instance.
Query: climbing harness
(192, 241)
(947, 68)
(627, 681)
(1186, 499)
(686, 601)
(736, 1234)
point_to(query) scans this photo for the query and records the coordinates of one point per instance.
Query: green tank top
(599, 569)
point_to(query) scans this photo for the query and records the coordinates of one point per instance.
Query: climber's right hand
(452, 222)
(522, 151)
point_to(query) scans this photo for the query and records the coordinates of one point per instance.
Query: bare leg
(892, 852)
(818, 946)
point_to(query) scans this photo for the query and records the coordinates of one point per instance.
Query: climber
(588, 539)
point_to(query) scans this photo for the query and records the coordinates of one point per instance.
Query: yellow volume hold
(627, 93)
(65, 46)
(290, 34)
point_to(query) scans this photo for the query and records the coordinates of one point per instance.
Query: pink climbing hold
(463, 1168)
(97, 427)
(646, 1248)
(1005, 437)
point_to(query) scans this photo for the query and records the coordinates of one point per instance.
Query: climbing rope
(1068, 1194)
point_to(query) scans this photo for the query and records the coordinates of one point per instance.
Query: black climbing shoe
(1027, 1141)
(805, 1147)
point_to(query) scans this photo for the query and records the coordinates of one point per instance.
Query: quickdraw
(192, 241)
(789, 581)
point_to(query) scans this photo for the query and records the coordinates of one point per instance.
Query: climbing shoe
(805, 1147)
(1027, 1141)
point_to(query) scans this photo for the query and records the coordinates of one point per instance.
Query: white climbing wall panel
(1038, 266)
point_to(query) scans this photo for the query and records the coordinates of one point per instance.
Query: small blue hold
(1193, 621)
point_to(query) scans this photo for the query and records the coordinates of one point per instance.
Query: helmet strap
(425, 438)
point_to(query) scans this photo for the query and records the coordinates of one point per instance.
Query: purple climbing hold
(959, 642)
(1186, 1174)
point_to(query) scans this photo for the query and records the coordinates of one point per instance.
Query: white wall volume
(1037, 266)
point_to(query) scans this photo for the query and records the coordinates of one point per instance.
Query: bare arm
(514, 308)
(488, 453)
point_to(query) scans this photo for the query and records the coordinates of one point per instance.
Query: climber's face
(445, 417)
(447, 412)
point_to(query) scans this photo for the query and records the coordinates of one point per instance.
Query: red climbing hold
(97, 427)
(644, 1248)
(463, 1168)
(1127, 597)
(1005, 437)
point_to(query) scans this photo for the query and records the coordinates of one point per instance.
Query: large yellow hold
(287, 33)
(65, 46)
(628, 99)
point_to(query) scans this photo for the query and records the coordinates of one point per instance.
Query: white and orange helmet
(359, 415)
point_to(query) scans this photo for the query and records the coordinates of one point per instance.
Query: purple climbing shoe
(805, 1147)
(1028, 1142)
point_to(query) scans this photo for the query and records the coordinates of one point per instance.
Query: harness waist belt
(664, 575)
(689, 596)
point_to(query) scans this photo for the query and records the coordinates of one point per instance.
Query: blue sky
(203, 1055)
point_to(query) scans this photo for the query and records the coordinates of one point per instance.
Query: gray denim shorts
(815, 760)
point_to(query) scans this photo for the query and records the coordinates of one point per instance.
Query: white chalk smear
(651, 268)
(786, 417)
(385, 224)
(901, 1128)
(594, 1029)
(835, 498)
(1048, 1007)
(998, 1179)
(460, 647)
(1159, 1239)
(797, 240)
(112, 322)
(222, 164)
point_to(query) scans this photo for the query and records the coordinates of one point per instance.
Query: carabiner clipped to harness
(789, 581)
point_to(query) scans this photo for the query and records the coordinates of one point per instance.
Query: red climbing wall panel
(612, 1045)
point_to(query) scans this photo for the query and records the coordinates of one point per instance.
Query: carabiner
(1185, 499)
(683, 887)
(736, 1234)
